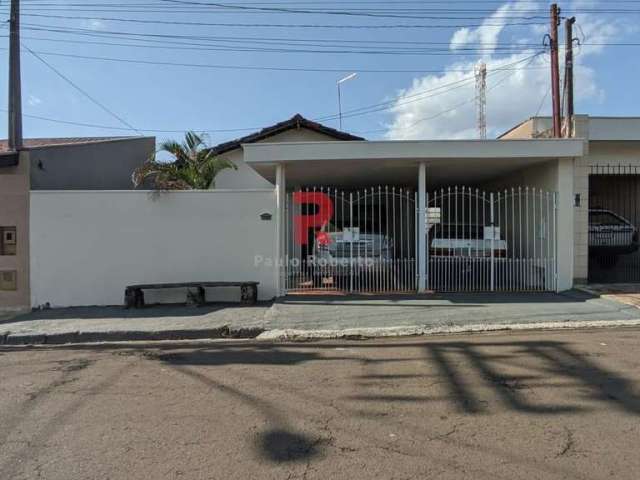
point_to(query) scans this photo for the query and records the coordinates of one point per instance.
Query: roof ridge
(295, 122)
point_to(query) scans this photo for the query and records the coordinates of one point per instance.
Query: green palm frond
(195, 166)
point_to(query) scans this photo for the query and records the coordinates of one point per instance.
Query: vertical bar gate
(361, 241)
(614, 223)
(366, 241)
(497, 241)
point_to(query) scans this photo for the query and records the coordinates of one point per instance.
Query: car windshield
(459, 232)
(605, 218)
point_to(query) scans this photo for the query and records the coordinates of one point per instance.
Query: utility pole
(15, 95)
(568, 76)
(481, 99)
(555, 70)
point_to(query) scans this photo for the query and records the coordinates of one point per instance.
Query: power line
(356, 12)
(398, 101)
(261, 38)
(221, 44)
(542, 102)
(446, 88)
(175, 22)
(450, 109)
(246, 67)
(110, 127)
(81, 90)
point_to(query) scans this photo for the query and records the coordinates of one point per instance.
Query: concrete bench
(134, 294)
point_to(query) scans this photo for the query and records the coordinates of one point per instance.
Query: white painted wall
(86, 247)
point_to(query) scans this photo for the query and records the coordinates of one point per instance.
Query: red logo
(323, 238)
(321, 217)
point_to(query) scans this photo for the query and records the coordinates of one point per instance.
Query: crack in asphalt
(568, 444)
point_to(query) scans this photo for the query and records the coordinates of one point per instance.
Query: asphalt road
(542, 405)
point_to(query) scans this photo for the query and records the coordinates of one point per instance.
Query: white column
(281, 234)
(422, 228)
(565, 224)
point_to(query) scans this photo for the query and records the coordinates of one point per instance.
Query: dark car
(610, 234)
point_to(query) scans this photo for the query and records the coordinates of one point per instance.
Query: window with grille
(8, 240)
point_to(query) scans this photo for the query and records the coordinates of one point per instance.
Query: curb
(128, 336)
(291, 335)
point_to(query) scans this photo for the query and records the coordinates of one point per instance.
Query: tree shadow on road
(280, 442)
(458, 364)
(257, 355)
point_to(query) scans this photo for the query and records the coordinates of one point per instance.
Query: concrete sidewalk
(313, 317)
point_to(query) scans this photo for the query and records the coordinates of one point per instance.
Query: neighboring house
(606, 178)
(54, 164)
(14, 231)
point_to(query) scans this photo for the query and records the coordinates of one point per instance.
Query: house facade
(310, 208)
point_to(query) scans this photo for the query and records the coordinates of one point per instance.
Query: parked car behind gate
(345, 249)
(610, 234)
(465, 240)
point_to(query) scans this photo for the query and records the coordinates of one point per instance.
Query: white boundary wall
(87, 246)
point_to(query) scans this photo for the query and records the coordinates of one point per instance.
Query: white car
(611, 234)
(344, 249)
(466, 240)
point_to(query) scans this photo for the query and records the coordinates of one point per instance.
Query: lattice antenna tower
(481, 99)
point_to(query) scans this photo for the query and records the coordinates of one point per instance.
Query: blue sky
(163, 97)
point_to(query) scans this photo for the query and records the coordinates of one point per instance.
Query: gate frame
(489, 202)
(391, 272)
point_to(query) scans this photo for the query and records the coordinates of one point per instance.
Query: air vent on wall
(8, 280)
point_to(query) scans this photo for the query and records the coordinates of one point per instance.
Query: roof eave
(296, 122)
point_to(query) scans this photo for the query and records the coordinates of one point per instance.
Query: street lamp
(341, 81)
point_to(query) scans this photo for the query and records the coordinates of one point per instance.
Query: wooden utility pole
(15, 95)
(568, 76)
(555, 70)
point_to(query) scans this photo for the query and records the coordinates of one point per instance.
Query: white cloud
(33, 101)
(487, 35)
(449, 111)
(94, 24)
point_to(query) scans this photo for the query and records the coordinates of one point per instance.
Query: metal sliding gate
(498, 241)
(614, 222)
(356, 241)
(366, 241)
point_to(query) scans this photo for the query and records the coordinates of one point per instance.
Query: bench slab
(134, 295)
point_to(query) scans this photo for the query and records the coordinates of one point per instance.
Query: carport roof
(358, 163)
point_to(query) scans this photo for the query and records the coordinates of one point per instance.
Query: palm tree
(195, 166)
